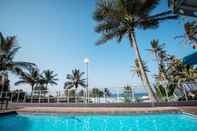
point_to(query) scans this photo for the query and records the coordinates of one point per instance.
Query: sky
(59, 34)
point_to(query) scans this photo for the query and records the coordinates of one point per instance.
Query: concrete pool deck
(106, 110)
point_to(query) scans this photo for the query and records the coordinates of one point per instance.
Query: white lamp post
(87, 61)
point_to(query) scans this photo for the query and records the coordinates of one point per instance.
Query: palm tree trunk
(76, 95)
(32, 90)
(133, 43)
(2, 84)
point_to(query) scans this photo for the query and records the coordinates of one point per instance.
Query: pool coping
(101, 110)
(55, 110)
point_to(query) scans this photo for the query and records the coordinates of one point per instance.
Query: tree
(119, 18)
(8, 50)
(136, 68)
(38, 81)
(75, 80)
(96, 92)
(160, 55)
(174, 72)
(191, 32)
(127, 93)
(31, 77)
(156, 49)
(107, 92)
(48, 78)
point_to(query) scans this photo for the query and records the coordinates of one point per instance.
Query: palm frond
(21, 82)
(13, 52)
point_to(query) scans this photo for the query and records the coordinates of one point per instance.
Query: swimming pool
(142, 122)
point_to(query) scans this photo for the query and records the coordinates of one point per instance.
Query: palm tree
(107, 92)
(48, 78)
(136, 68)
(127, 93)
(32, 77)
(191, 32)
(160, 55)
(117, 18)
(8, 49)
(75, 80)
(96, 92)
(156, 48)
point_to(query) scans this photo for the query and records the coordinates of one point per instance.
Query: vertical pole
(117, 95)
(57, 97)
(3, 84)
(39, 97)
(68, 101)
(104, 95)
(48, 98)
(133, 94)
(87, 81)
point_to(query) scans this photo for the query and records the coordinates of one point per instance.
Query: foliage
(172, 70)
(31, 77)
(136, 68)
(38, 81)
(107, 92)
(18, 95)
(8, 50)
(127, 94)
(75, 80)
(191, 32)
(118, 18)
(72, 93)
(96, 92)
(48, 77)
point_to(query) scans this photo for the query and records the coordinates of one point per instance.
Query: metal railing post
(39, 97)
(104, 96)
(117, 95)
(57, 98)
(68, 98)
(48, 98)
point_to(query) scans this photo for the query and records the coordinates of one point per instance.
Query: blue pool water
(150, 122)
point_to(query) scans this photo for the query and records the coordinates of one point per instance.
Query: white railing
(62, 96)
(59, 97)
